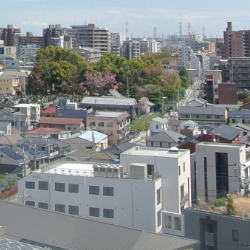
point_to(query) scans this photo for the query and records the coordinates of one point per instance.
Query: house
(114, 124)
(189, 144)
(81, 231)
(158, 125)
(98, 191)
(52, 147)
(9, 140)
(88, 140)
(222, 134)
(173, 165)
(166, 139)
(189, 128)
(9, 85)
(77, 155)
(197, 102)
(111, 103)
(208, 115)
(239, 116)
(103, 157)
(218, 168)
(173, 124)
(31, 110)
(49, 112)
(71, 124)
(5, 128)
(245, 129)
(55, 133)
(120, 148)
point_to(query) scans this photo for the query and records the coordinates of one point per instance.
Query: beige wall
(8, 86)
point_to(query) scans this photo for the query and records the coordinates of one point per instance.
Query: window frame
(95, 189)
(108, 213)
(57, 184)
(73, 207)
(43, 203)
(60, 205)
(41, 185)
(107, 191)
(72, 188)
(31, 186)
(94, 211)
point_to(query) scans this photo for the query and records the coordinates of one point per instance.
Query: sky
(142, 15)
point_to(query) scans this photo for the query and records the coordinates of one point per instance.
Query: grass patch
(141, 123)
(218, 203)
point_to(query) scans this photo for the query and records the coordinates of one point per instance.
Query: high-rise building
(130, 49)
(93, 37)
(116, 42)
(8, 34)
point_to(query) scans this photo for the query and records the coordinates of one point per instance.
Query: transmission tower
(180, 29)
(155, 32)
(126, 23)
(204, 36)
(189, 29)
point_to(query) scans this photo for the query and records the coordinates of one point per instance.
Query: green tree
(231, 210)
(155, 95)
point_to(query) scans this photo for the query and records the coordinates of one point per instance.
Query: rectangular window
(159, 218)
(60, 187)
(156, 126)
(101, 124)
(150, 169)
(60, 208)
(43, 205)
(43, 185)
(168, 221)
(160, 144)
(30, 203)
(110, 124)
(179, 170)
(177, 223)
(73, 210)
(92, 124)
(183, 166)
(158, 196)
(30, 184)
(108, 213)
(73, 188)
(94, 190)
(108, 191)
(235, 235)
(93, 211)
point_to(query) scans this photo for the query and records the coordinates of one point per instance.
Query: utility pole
(127, 88)
(178, 99)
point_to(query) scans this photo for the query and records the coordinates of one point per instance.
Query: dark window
(160, 144)
(235, 235)
(60, 187)
(108, 191)
(158, 196)
(101, 124)
(43, 185)
(159, 218)
(150, 169)
(73, 210)
(108, 213)
(93, 211)
(73, 188)
(60, 208)
(157, 126)
(94, 190)
(179, 170)
(43, 205)
(30, 203)
(205, 178)
(30, 184)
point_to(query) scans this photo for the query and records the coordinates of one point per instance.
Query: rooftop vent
(173, 150)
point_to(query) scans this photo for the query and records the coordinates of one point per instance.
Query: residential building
(208, 115)
(88, 54)
(158, 125)
(114, 124)
(189, 128)
(75, 125)
(7, 34)
(48, 112)
(166, 139)
(55, 133)
(31, 110)
(81, 189)
(172, 165)
(88, 140)
(9, 140)
(244, 130)
(81, 231)
(130, 49)
(197, 102)
(9, 85)
(225, 90)
(239, 116)
(190, 145)
(5, 128)
(218, 168)
(116, 42)
(92, 36)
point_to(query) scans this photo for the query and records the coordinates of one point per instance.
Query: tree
(231, 210)
(246, 100)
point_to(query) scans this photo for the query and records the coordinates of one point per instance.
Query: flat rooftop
(153, 151)
(220, 145)
(107, 114)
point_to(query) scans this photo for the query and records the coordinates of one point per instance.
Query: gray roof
(73, 232)
(241, 126)
(167, 136)
(89, 100)
(200, 100)
(160, 120)
(202, 110)
(120, 148)
(225, 131)
(88, 136)
(243, 113)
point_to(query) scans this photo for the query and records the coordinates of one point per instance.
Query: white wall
(134, 201)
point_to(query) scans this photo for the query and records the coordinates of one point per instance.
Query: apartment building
(9, 85)
(209, 115)
(8, 34)
(93, 37)
(219, 167)
(130, 49)
(116, 42)
(114, 124)
(31, 110)
(102, 192)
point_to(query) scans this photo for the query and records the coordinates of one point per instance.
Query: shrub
(218, 202)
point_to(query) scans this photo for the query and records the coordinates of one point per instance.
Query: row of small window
(72, 188)
(101, 124)
(6, 88)
(93, 211)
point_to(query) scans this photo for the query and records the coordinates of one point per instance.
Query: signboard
(29, 46)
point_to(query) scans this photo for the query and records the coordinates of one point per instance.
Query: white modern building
(158, 125)
(219, 168)
(31, 110)
(116, 42)
(104, 192)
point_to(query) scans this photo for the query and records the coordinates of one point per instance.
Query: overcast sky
(142, 15)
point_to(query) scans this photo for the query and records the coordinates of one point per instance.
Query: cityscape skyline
(142, 16)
